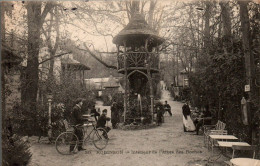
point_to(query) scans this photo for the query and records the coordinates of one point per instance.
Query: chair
(220, 126)
(252, 148)
(215, 132)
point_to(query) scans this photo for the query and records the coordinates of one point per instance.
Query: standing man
(167, 108)
(159, 116)
(114, 115)
(76, 119)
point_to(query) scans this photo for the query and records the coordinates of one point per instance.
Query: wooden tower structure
(138, 58)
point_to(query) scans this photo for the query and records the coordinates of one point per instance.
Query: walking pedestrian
(167, 108)
(76, 119)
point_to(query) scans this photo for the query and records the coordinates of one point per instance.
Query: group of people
(194, 124)
(160, 110)
(76, 119)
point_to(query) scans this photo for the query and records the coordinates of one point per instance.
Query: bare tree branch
(98, 59)
(59, 55)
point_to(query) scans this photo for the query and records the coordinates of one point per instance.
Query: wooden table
(221, 137)
(245, 162)
(230, 144)
(226, 137)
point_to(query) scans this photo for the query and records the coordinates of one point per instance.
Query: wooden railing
(138, 60)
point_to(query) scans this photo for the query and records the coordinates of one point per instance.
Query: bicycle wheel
(100, 138)
(66, 143)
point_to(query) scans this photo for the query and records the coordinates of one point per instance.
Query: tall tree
(35, 19)
(249, 59)
(225, 14)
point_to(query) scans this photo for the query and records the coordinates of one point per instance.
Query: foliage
(27, 122)
(15, 151)
(219, 83)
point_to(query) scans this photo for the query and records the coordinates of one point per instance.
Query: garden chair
(252, 148)
(220, 126)
(215, 132)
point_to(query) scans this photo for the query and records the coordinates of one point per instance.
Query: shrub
(15, 151)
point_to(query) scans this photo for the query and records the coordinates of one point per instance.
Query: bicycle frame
(85, 131)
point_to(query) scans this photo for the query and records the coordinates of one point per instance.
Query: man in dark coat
(102, 120)
(159, 113)
(114, 115)
(76, 119)
(186, 112)
(167, 108)
(159, 116)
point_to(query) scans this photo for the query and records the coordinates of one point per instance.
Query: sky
(100, 42)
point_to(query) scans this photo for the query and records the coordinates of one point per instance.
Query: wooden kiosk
(138, 58)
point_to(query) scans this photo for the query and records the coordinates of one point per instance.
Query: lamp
(49, 97)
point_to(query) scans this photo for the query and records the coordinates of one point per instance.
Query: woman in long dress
(188, 124)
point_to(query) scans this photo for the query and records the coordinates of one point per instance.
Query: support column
(126, 82)
(148, 65)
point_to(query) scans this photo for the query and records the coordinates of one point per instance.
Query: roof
(8, 56)
(111, 83)
(76, 64)
(137, 30)
(98, 80)
(185, 71)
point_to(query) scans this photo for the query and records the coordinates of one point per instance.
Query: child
(102, 120)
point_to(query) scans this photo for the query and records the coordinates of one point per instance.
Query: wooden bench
(219, 127)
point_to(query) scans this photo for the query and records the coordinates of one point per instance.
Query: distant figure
(114, 115)
(188, 124)
(199, 123)
(94, 113)
(159, 115)
(167, 108)
(102, 120)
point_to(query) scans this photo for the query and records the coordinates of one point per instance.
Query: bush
(15, 151)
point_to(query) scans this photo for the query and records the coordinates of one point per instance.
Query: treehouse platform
(138, 59)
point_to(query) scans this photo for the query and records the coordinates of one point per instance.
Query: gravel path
(166, 145)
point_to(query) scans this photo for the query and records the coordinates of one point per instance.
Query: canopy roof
(136, 32)
(8, 56)
(111, 83)
(76, 64)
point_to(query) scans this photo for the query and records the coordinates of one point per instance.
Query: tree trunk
(31, 73)
(2, 66)
(249, 65)
(35, 17)
(151, 12)
(225, 14)
(52, 49)
(207, 29)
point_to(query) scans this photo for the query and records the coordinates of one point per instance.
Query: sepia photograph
(130, 83)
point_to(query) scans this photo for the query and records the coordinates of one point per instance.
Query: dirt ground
(166, 145)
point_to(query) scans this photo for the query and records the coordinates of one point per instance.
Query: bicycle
(67, 139)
